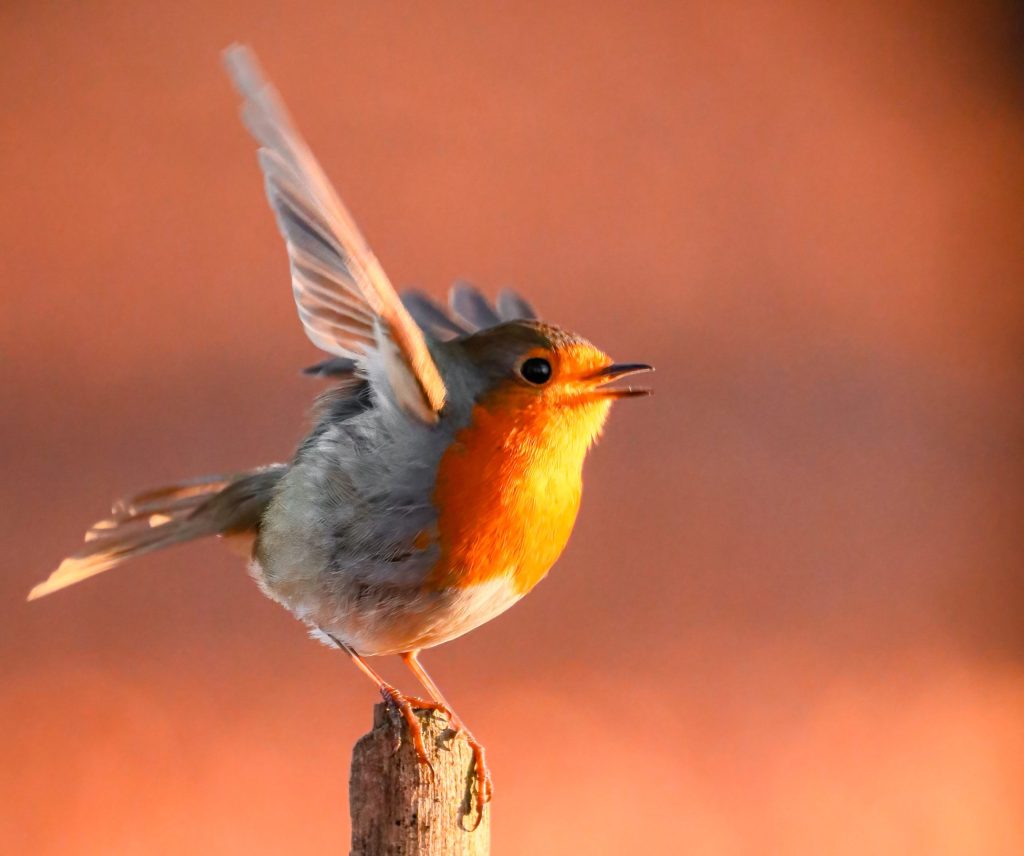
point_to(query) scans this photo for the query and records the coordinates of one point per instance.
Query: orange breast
(508, 489)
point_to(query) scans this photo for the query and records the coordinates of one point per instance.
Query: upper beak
(616, 371)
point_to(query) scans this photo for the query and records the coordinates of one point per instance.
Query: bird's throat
(508, 490)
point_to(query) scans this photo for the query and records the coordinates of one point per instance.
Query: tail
(213, 505)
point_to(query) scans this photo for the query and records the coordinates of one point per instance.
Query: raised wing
(345, 301)
(468, 311)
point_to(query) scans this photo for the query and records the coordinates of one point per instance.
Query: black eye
(536, 370)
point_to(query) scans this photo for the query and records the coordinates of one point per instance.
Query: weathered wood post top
(399, 809)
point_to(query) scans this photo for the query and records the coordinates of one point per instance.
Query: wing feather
(432, 317)
(469, 303)
(340, 288)
(514, 307)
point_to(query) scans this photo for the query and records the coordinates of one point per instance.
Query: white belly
(394, 620)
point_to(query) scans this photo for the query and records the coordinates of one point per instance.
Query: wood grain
(397, 807)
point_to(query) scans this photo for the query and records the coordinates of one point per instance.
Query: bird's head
(544, 380)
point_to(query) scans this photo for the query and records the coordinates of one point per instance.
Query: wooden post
(397, 809)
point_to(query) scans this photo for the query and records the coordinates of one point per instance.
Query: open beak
(605, 376)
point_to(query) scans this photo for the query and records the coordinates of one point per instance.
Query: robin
(442, 476)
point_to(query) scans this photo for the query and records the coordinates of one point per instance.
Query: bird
(442, 474)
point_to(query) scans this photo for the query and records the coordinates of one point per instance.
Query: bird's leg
(484, 785)
(399, 705)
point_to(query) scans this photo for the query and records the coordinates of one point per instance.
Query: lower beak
(615, 371)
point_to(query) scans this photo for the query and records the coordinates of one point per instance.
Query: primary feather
(345, 301)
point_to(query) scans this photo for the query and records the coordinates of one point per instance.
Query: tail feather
(183, 490)
(167, 516)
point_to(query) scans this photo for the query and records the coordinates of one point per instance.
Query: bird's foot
(484, 784)
(402, 707)
(480, 771)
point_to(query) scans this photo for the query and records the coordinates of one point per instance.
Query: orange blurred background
(790, 618)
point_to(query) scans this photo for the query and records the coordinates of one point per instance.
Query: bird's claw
(402, 707)
(481, 773)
